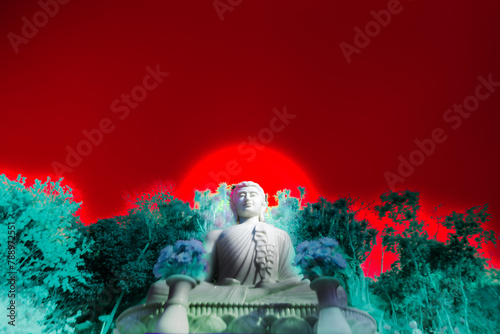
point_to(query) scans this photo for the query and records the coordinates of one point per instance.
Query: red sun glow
(271, 169)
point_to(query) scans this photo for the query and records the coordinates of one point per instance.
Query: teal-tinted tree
(405, 287)
(464, 267)
(49, 266)
(162, 210)
(127, 247)
(213, 209)
(433, 282)
(287, 214)
(356, 238)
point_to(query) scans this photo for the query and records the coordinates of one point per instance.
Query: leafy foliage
(214, 209)
(435, 283)
(128, 247)
(338, 220)
(49, 251)
(286, 215)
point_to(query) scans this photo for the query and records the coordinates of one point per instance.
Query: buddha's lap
(290, 291)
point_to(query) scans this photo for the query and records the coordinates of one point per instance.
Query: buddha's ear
(262, 211)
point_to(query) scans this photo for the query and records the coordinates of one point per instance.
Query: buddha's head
(248, 200)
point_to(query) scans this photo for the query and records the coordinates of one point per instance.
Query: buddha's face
(248, 202)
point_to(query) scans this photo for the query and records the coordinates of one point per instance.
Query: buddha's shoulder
(217, 234)
(212, 237)
(281, 233)
(245, 228)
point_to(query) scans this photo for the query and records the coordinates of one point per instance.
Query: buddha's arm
(211, 249)
(286, 269)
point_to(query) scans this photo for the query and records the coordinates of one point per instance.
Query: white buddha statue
(251, 252)
(250, 261)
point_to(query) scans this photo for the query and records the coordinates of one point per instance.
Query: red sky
(356, 100)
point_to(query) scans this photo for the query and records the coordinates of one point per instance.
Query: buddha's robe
(250, 262)
(253, 252)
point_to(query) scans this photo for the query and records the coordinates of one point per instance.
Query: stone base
(242, 318)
